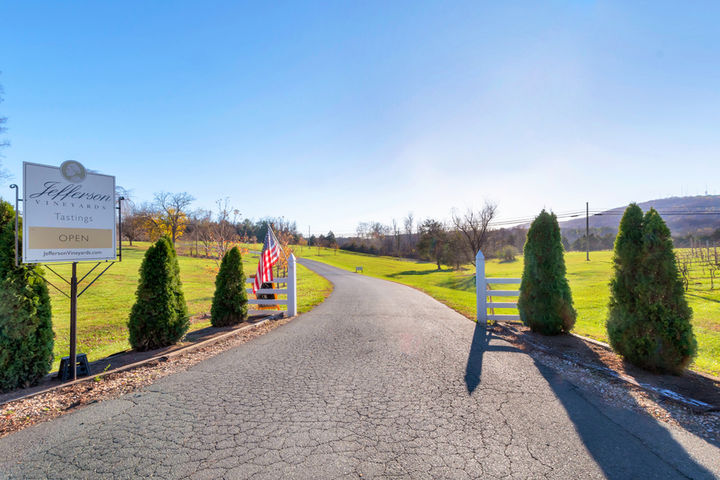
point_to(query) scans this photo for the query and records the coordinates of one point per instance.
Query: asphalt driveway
(380, 381)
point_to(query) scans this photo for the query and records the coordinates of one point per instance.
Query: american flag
(269, 257)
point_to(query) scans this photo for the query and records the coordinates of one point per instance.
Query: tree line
(206, 233)
(454, 242)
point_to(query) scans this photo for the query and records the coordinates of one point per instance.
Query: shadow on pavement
(623, 443)
(480, 345)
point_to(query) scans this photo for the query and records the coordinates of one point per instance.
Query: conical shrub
(624, 325)
(230, 303)
(26, 335)
(649, 318)
(545, 302)
(159, 316)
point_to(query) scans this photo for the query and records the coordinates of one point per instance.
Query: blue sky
(331, 113)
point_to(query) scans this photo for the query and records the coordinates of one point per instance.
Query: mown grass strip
(103, 310)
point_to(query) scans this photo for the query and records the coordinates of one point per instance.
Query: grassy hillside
(588, 280)
(104, 308)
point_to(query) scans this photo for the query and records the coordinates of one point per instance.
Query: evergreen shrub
(230, 302)
(26, 335)
(545, 302)
(159, 316)
(648, 317)
(507, 253)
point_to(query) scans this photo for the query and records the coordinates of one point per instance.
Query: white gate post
(480, 288)
(292, 287)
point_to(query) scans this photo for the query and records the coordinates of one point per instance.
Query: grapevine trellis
(699, 265)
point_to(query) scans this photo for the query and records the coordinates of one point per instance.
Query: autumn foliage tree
(168, 215)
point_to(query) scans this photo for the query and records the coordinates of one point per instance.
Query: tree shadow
(623, 442)
(419, 272)
(466, 283)
(702, 297)
(480, 344)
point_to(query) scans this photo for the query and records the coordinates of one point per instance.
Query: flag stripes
(269, 257)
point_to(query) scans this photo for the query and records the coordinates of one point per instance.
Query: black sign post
(73, 321)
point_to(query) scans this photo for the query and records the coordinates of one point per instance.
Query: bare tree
(202, 231)
(378, 230)
(223, 231)
(133, 226)
(363, 230)
(134, 220)
(396, 233)
(171, 213)
(408, 225)
(473, 226)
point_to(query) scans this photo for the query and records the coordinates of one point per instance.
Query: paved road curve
(379, 381)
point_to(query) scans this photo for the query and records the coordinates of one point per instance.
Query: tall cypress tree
(159, 316)
(624, 325)
(545, 302)
(230, 303)
(26, 335)
(649, 318)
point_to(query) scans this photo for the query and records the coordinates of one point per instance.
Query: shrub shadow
(623, 442)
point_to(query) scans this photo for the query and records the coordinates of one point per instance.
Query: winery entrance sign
(68, 217)
(68, 214)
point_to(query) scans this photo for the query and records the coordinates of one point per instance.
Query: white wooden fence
(484, 291)
(290, 291)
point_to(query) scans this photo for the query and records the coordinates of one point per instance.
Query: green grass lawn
(588, 280)
(104, 308)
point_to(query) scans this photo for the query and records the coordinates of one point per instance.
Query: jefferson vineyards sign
(69, 214)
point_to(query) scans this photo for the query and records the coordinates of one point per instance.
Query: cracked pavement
(380, 381)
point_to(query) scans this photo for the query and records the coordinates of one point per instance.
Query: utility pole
(587, 230)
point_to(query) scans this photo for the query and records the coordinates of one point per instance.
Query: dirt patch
(24, 412)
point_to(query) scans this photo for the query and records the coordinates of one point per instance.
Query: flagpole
(280, 245)
(272, 232)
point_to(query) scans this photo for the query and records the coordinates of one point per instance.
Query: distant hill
(674, 211)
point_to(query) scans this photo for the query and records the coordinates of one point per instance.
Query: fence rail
(483, 292)
(290, 291)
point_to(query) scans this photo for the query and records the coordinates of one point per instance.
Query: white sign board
(68, 214)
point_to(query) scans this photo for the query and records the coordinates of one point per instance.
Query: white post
(480, 288)
(292, 287)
